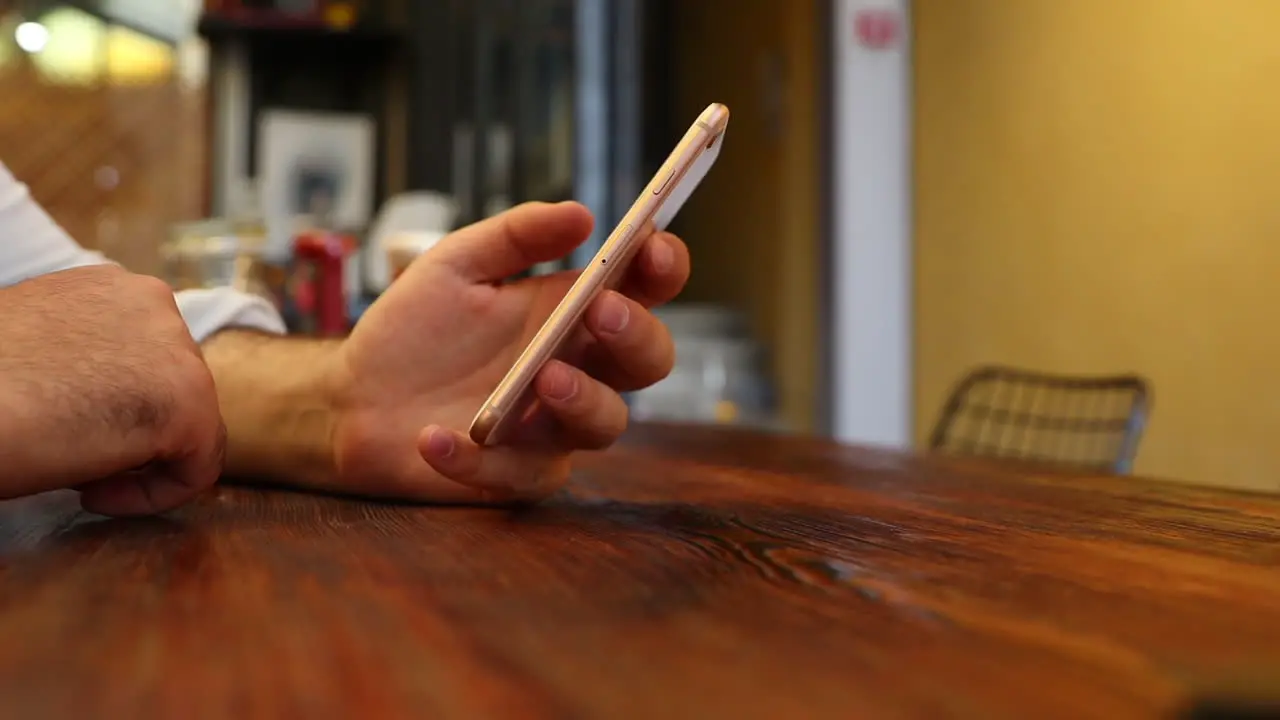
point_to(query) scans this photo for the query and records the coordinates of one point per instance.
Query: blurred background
(1033, 229)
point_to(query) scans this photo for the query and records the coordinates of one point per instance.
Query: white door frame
(871, 262)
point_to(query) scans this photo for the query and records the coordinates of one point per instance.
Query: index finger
(659, 271)
(515, 240)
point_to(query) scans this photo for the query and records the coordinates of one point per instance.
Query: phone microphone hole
(604, 261)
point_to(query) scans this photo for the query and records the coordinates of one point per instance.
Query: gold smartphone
(670, 187)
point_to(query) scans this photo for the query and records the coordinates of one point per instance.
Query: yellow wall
(753, 225)
(1098, 189)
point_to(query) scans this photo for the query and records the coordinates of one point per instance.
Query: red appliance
(319, 293)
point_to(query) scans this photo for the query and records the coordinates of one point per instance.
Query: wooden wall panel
(753, 227)
(115, 164)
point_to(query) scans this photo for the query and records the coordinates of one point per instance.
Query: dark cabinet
(494, 102)
(516, 100)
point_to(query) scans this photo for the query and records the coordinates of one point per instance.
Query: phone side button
(622, 238)
(658, 190)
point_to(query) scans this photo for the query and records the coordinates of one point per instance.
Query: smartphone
(662, 198)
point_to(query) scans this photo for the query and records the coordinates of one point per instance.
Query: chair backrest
(1088, 423)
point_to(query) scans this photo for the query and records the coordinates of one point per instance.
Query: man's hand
(427, 354)
(103, 389)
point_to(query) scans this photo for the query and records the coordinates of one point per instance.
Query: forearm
(276, 401)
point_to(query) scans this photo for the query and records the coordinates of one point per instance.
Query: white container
(703, 321)
(424, 216)
(402, 248)
(719, 380)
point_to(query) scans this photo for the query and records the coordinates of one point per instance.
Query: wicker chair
(1086, 423)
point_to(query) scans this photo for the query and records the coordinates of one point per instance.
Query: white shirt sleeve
(32, 244)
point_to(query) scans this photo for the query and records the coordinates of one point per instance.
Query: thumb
(513, 241)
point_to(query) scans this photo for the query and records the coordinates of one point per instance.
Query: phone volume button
(663, 186)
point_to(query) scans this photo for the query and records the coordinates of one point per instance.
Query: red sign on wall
(877, 29)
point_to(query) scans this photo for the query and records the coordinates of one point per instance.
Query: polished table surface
(687, 573)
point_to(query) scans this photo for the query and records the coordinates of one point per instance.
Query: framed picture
(314, 166)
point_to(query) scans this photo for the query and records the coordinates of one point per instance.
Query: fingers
(591, 414)
(500, 474)
(157, 488)
(134, 494)
(659, 271)
(584, 414)
(633, 349)
(513, 241)
(194, 474)
(166, 483)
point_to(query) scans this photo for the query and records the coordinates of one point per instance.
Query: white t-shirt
(32, 244)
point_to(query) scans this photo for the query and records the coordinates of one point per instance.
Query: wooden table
(689, 573)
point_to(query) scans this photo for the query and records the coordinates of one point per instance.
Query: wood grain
(687, 573)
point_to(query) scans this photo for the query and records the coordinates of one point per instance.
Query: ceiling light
(31, 36)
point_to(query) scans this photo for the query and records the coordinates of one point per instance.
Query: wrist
(335, 382)
(279, 401)
(15, 420)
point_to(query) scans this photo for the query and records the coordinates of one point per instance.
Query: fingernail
(562, 385)
(441, 443)
(662, 256)
(614, 315)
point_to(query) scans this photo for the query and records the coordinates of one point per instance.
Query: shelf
(214, 28)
